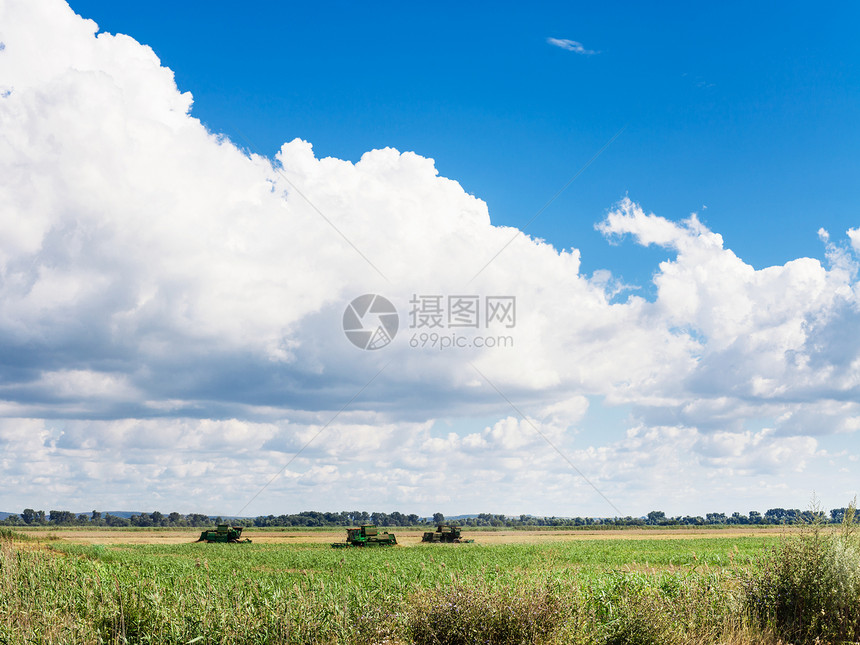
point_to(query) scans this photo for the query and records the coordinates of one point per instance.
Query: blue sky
(743, 113)
(173, 293)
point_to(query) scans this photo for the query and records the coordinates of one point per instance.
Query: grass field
(91, 586)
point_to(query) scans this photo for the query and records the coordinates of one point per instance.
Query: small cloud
(698, 82)
(570, 45)
(854, 236)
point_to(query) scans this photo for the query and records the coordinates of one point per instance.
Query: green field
(572, 591)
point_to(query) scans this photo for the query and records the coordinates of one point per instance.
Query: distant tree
(656, 517)
(62, 517)
(396, 518)
(775, 516)
(808, 517)
(142, 519)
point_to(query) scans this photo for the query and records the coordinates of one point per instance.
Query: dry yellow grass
(406, 538)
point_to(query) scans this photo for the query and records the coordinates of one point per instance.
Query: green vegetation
(595, 591)
(801, 587)
(808, 588)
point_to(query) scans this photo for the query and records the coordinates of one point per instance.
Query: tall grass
(597, 592)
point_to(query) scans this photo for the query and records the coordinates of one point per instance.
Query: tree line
(774, 516)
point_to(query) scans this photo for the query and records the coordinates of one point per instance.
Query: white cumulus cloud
(570, 45)
(171, 317)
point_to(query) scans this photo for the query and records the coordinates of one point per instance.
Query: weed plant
(807, 589)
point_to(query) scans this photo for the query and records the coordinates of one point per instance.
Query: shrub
(807, 590)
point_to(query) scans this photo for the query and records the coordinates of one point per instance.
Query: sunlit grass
(589, 591)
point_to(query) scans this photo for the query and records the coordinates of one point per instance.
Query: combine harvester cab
(366, 535)
(224, 533)
(445, 533)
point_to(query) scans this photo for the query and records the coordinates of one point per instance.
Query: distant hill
(3, 515)
(125, 514)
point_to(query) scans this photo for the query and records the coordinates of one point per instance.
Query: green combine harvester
(366, 535)
(224, 533)
(445, 533)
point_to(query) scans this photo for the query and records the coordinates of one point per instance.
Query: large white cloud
(770, 338)
(171, 312)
